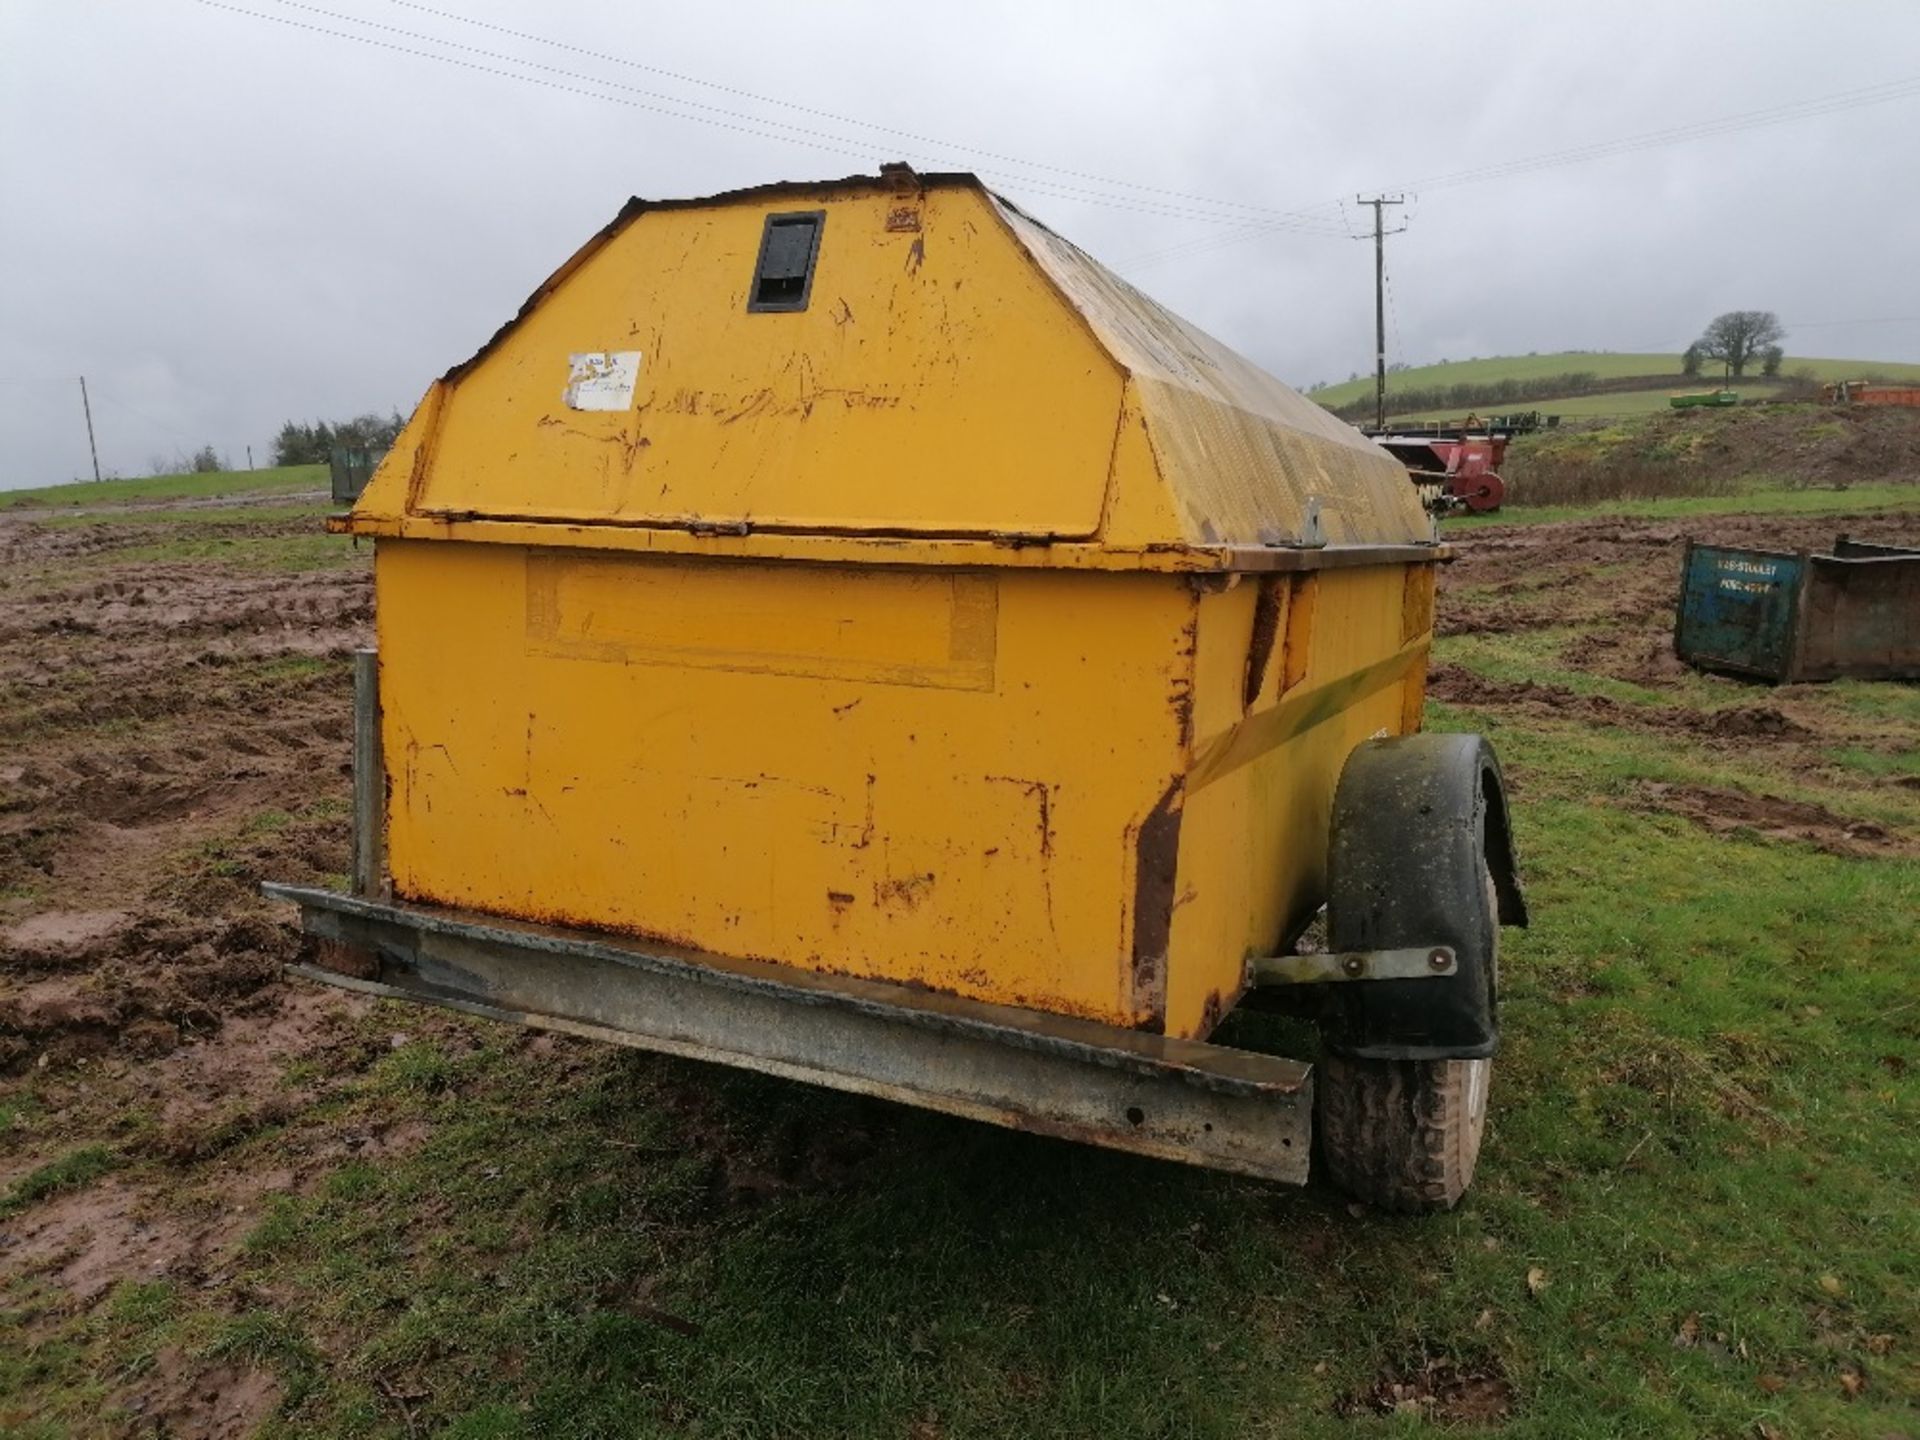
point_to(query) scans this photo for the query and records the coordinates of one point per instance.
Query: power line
(1811, 108)
(838, 118)
(141, 415)
(659, 103)
(1782, 114)
(1875, 320)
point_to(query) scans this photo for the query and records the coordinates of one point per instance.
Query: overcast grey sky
(224, 221)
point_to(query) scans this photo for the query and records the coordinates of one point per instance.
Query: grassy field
(289, 480)
(1606, 364)
(252, 520)
(1694, 1214)
(1583, 407)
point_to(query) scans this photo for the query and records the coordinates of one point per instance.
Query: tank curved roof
(960, 375)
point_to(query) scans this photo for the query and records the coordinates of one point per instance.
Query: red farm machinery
(1456, 465)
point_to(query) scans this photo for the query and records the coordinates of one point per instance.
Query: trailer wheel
(1404, 1135)
(1420, 855)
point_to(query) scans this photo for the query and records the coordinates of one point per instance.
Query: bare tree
(1739, 337)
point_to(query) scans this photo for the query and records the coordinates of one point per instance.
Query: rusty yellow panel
(1254, 824)
(954, 779)
(934, 383)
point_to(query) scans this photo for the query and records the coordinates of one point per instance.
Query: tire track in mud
(149, 718)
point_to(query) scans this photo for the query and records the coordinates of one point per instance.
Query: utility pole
(87, 406)
(1379, 202)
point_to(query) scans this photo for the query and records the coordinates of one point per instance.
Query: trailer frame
(1192, 1101)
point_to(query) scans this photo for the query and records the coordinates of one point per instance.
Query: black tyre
(1404, 1135)
(1419, 855)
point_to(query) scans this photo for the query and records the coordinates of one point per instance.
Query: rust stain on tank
(1042, 793)
(1211, 1011)
(1266, 629)
(1156, 862)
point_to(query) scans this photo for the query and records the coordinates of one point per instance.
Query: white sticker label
(602, 379)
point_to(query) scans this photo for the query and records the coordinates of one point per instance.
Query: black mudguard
(1417, 824)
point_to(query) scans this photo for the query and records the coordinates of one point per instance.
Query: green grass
(1605, 364)
(209, 516)
(288, 480)
(238, 536)
(71, 1171)
(1856, 499)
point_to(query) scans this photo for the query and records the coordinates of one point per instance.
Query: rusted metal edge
(1058, 1075)
(1212, 1066)
(879, 546)
(1156, 865)
(369, 778)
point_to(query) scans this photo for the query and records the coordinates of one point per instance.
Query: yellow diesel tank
(856, 580)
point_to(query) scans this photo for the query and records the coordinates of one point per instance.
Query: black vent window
(788, 246)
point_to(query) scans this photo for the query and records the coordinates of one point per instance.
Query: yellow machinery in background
(842, 629)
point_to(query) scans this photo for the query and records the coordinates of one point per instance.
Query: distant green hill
(206, 485)
(1607, 365)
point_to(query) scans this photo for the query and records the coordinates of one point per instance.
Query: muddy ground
(170, 733)
(174, 731)
(1600, 597)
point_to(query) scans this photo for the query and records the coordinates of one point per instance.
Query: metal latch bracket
(1426, 962)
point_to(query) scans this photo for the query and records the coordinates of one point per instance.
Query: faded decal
(602, 379)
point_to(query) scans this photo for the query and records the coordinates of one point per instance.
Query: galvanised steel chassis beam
(1056, 1075)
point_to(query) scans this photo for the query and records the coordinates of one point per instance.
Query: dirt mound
(146, 983)
(1641, 657)
(177, 1396)
(1771, 818)
(1712, 451)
